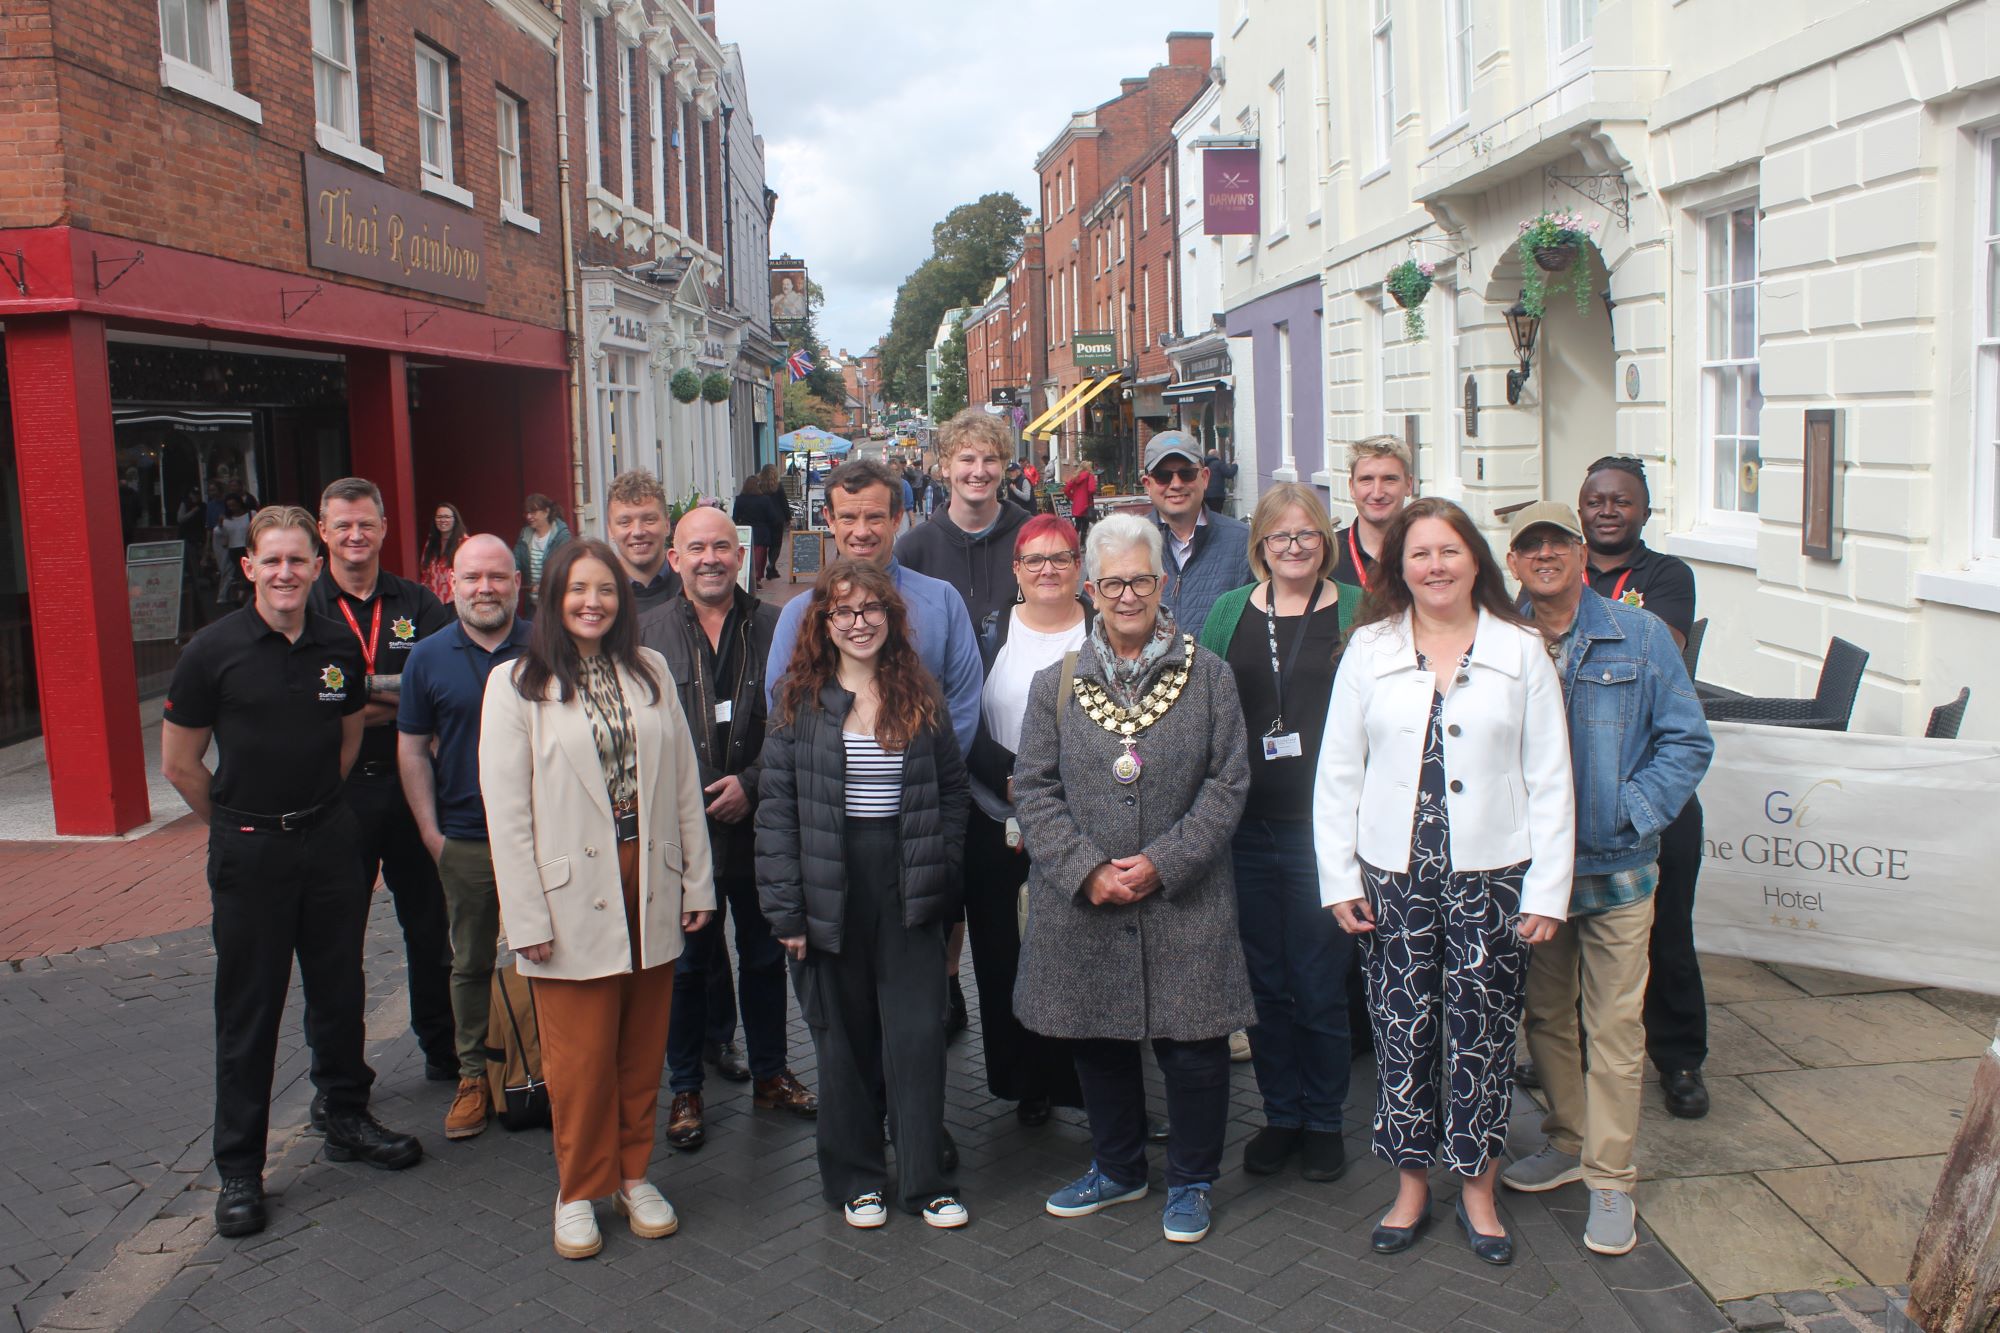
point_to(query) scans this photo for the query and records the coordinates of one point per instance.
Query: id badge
(725, 710)
(1283, 747)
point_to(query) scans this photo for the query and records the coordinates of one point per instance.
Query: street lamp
(1522, 328)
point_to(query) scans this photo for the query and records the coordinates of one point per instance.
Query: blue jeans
(1299, 959)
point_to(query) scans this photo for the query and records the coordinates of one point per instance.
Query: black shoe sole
(1687, 1112)
(687, 1144)
(1321, 1176)
(338, 1153)
(237, 1230)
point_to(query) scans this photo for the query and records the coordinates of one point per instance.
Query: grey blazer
(1169, 965)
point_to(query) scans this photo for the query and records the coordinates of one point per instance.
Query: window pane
(1717, 346)
(196, 17)
(428, 96)
(1722, 402)
(1993, 188)
(173, 28)
(1753, 401)
(433, 158)
(1743, 245)
(1722, 460)
(337, 30)
(1993, 289)
(1717, 270)
(1743, 323)
(1747, 489)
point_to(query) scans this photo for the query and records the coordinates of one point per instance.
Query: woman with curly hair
(860, 832)
(441, 545)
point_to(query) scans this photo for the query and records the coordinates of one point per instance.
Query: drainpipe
(572, 319)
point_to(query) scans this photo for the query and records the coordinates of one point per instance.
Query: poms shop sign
(358, 225)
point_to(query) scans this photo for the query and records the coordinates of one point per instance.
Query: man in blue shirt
(444, 684)
(863, 503)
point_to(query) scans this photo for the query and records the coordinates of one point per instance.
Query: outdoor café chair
(1829, 709)
(1947, 718)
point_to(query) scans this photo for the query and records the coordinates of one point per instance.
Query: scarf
(1127, 678)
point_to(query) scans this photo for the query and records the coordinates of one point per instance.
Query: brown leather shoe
(785, 1093)
(469, 1110)
(684, 1127)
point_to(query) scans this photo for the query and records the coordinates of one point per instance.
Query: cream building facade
(1797, 209)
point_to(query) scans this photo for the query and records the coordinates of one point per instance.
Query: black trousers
(389, 843)
(275, 895)
(705, 957)
(1676, 1007)
(1114, 1095)
(1019, 1063)
(876, 1010)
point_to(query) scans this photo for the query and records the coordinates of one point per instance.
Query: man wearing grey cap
(1638, 746)
(1208, 554)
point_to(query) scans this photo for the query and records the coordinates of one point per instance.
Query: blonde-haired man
(1380, 480)
(635, 518)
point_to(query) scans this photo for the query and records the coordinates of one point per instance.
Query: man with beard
(1615, 503)
(1379, 482)
(716, 638)
(635, 517)
(444, 686)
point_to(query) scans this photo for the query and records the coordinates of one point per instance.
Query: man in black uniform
(385, 616)
(279, 690)
(1614, 504)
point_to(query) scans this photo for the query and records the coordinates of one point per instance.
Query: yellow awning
(1057, 410)
(1074, 402)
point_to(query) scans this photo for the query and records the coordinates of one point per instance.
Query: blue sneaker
(1094, 1190)
(1186, 1218)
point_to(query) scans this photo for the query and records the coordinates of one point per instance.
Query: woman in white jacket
(1444, 822)
(600, 853)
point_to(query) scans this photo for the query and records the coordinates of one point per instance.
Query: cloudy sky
(880, 116)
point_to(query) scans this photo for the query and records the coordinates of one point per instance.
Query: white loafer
(577, 1236)
(651, 1215)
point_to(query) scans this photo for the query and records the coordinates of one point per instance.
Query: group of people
(1184, 778)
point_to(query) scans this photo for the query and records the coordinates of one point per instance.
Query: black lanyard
(1281, 674)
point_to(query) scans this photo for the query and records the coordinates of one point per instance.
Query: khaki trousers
(1599, 960)
(604, 1045)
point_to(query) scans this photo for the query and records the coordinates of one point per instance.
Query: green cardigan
(1220, 627)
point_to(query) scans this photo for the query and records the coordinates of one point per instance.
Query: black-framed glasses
(1306, 539)
(868, 613)
(1061, 561)
(1166, 476)
(1142, 587)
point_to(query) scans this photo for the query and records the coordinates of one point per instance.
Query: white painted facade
(1812, 225)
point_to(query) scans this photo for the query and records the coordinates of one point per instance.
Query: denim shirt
(1638, 742)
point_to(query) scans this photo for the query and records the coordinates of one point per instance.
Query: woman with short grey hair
(1131, 932)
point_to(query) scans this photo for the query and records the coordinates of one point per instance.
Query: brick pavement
(69, 895)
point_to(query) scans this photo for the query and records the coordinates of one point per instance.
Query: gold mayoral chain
(1127, 723)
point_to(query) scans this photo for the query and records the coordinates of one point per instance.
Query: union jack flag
(800, 363)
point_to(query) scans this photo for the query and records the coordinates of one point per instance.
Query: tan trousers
(604, 1045)
(1600, 960)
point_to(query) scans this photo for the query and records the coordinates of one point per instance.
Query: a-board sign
(1059, 504)
(153, 589)
(745, 573)
(808, 552)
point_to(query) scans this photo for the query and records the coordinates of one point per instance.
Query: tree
(973, 245)
(804, 408)
(950, 399)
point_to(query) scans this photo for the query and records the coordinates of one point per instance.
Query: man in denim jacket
(1638, 747)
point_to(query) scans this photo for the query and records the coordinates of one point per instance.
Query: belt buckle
(286, 822)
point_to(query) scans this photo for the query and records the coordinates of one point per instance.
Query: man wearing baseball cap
(1208, 554)
(1638, 746)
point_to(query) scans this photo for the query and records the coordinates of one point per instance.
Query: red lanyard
(1617, 589)
(1354, 551)
(374, 632)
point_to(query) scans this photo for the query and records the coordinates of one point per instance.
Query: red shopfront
(133, 371)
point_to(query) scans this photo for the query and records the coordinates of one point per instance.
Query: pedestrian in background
(1081, 488)
(1220, 473)
(1444, 823)
(601, 856)
(441, 545)
(543, 533)
(1131, 778)
(1281, 637)
(860, 840)
(777, 518)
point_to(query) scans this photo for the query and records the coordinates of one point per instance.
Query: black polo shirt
(1348, 542)
(649, 595)
(409, 612)
(276, 706)
(1651, 581)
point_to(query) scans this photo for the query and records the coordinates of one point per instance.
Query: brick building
(1006, 349)
(1109, 253)
(256, 247)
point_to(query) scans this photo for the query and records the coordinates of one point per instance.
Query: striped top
(874, 779)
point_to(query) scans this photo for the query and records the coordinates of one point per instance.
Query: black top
(276, 706)
(1282, 788)
(664, 585)
(1348, 541)
(1662, 584)
(410, 612)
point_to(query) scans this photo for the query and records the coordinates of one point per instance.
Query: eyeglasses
(1141, 587)
(868, 613)
(1306, 539)
(1559, 542)
(1168, 475)
(1061, 562)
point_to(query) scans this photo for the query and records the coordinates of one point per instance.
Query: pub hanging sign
(358, 224)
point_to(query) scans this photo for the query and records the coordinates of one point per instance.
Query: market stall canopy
(813, 440)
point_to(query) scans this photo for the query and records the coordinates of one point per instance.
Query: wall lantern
(1522, 328)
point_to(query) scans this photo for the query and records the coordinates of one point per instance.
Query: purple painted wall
(1299, 308)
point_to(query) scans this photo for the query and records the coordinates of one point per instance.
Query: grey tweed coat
(1169, 965)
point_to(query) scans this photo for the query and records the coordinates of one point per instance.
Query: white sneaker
(866, 1210)
(1239, 1047)
(651, 1215)
(946, 1212)
(577, 1236)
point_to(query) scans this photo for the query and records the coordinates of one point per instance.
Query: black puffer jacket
(802, 824)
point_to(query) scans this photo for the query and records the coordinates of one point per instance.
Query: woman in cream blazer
(601, 858)
(1444, 824)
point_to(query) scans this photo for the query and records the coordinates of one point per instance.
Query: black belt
(296, 821)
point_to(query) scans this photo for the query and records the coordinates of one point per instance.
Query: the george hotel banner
(1229, 191)
(1866, 854)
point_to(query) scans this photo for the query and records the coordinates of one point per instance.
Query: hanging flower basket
(1550, 244)
(1409, 283)
(685, 385)
(715, 388)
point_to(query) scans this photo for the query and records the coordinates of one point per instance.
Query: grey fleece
(981, 568)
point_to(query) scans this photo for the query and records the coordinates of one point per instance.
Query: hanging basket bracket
(1610, 192)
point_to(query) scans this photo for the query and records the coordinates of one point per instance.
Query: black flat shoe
(1033, 1111)
(1324, 1155)
(239, 1209)
(1686, 1094)
(1394, 1240)
(1270, 1148)
(1496, 1250)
